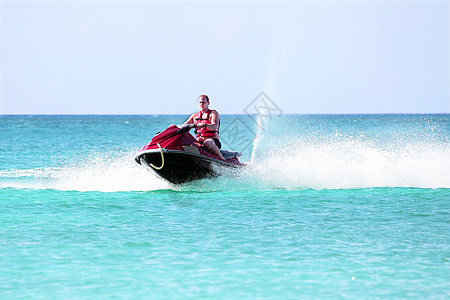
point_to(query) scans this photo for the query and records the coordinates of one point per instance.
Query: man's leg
(211, 146)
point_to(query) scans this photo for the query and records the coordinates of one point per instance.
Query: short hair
(206, 96)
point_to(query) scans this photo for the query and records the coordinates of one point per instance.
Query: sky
(157, 57)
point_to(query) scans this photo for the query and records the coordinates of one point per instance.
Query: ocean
(329, 206)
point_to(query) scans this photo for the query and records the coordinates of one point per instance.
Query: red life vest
(204, 133)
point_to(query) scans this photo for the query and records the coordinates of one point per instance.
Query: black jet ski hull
(179, 167)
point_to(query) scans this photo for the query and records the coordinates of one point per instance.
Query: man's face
(203, 103)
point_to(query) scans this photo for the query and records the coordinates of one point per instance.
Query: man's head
(203, 102)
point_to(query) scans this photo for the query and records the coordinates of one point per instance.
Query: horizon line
(291, 114)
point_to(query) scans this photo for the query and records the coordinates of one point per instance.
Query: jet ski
(176, 156)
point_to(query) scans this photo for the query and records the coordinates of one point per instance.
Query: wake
(337, 164)
(111, 173)
(353, 164)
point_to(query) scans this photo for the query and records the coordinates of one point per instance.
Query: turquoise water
(329, 207)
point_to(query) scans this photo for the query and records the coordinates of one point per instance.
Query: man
(207, 124)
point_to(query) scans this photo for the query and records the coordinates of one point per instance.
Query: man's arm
(190, 120)
(214, 121)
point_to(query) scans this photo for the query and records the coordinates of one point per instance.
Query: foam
(341, 163)
(104, 173)
(354, 164)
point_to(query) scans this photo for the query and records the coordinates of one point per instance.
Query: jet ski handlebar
(185, 128)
